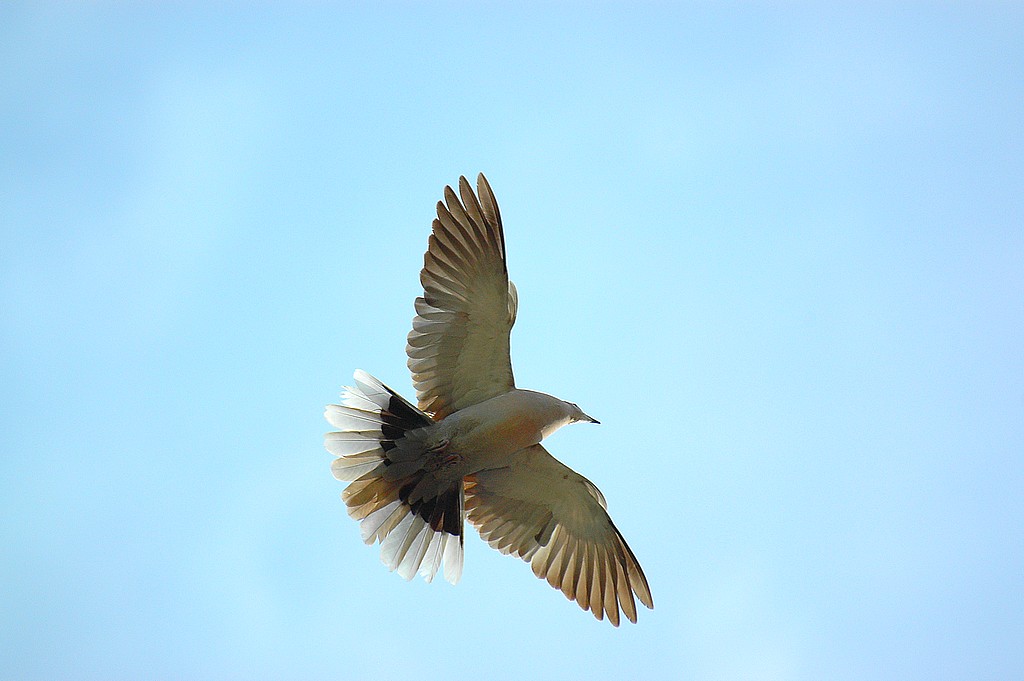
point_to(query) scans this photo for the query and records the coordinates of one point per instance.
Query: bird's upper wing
(550, 516)
(459, 345)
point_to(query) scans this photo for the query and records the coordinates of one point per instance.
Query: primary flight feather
(471, 448)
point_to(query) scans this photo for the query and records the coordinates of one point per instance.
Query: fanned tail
(418, 526)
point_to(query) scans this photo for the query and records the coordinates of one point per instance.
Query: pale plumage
(471, 449)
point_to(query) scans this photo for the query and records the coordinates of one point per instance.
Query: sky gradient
(778, 253)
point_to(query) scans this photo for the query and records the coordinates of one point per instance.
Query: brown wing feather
(459, 345)
(542, 511)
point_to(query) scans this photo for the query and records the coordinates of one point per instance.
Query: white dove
(472, 448)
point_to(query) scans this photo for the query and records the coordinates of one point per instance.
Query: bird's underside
(471, 448)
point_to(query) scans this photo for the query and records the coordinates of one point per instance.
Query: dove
(470, 449)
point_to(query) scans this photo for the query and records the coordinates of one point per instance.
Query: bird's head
(576, 414)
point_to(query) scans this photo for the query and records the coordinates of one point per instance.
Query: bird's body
(491, 431)
(471, 449)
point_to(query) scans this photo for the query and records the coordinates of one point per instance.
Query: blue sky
(777, 252)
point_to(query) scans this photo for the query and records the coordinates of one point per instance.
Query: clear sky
(779, 253)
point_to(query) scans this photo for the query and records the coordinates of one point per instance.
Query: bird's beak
(591, 419)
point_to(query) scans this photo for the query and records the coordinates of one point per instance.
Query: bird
(470, 449)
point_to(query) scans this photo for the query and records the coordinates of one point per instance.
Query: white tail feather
(372, 421)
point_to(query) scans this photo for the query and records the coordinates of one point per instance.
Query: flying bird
(471, 447)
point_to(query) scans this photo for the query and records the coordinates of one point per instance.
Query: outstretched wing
(459, 345)
(542, 511)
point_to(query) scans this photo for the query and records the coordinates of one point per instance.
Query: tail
(378, 452)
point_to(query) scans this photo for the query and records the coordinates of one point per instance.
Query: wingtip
(646, 598)
(482, 185)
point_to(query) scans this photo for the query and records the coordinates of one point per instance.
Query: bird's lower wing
(542, 511)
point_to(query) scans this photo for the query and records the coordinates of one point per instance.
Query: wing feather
(459, 345)
(543, 512)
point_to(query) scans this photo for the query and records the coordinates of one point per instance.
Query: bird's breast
(497, 428)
